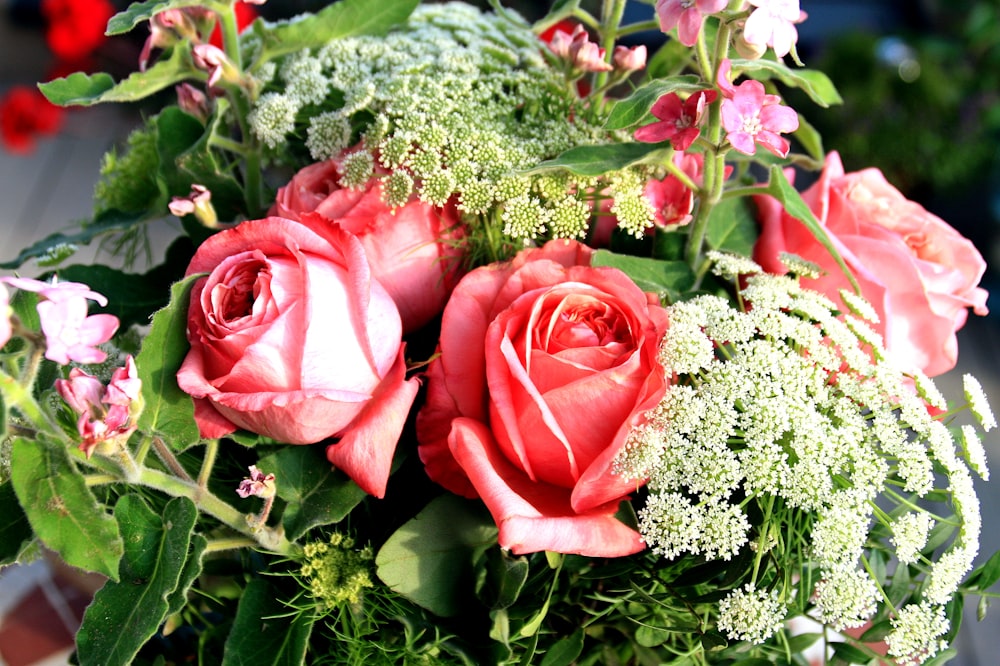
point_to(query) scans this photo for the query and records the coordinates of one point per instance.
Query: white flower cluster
(455, 105)
(791, 408)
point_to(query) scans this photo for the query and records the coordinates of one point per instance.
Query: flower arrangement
(491, 342)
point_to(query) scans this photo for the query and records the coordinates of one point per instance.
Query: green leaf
(57, 243)
(603, 158)
(126, 614)
(667, 279)
(140, 12)
(15, 530)
(811, 140)
(338, 20)
(168, 411)
(634, 108)
(504, 580)
(850, 654)
(192, 569)
(812, 82)
(565, 651)
(984, 576)
(61, 509)
(79, 89)
(900, 587)
(648, 636)
(264, 633)
(779, 188)
(429, 559)
(877, 632)
(133, 298)
(316, 493)
(713, 640)
(732, 227)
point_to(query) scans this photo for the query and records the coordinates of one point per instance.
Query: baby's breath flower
(634, 212)
(357, 168)
(273, 118)
(947, 573)
(916, 634)
(859, 306)
(724, 530)
(749, 614)
(975, 454)
(524, 217)
(909, 535)
(978, 402)
(839, 535)
(730, 266)
(328, 134)
(398, 188)
(846, 597)
(670, 524)
(800, 267)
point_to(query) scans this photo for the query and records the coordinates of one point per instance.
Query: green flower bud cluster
(457, 105)
(335, 572)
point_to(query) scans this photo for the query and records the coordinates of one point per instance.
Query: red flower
(76, 27)
(24, 115)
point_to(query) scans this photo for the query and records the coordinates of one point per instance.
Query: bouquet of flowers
(492, 342)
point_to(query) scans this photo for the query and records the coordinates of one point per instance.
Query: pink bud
(630, 59)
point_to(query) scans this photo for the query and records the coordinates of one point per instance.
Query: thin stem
(18, 396)
(878, 584)
(168, 458)
(219, 545)
(639, 26)
(99, 479)
(611, 17)
(208, 462)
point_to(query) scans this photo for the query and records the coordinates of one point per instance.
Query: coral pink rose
(407, 246)
(291, 338)
(916, 270)
(545, 364)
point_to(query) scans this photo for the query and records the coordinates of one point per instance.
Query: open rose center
(582, 321)
(234, 298)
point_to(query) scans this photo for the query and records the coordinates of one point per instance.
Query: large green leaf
(192, 569)
(264, 633)
(338, 20)
(429, 559)
(108, 222)
(667, 279)
(601, 158)
(79, 89)
(732, 227)
(15, 530)
(814, 83)
(316, 493)
(126, 614)
(635, 107)
(140, 12)
(61, 509)
(168, 411)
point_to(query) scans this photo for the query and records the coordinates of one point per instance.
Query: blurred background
(921, 86)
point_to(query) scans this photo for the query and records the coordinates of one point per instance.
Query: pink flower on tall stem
(773, 24)
(687, 15)
(106, 414)
(577, 50)
(678, 121)
(751, 117)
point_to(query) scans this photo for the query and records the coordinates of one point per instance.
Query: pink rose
(407, 247)
(917, 271)
(291, 338)
(545, 364)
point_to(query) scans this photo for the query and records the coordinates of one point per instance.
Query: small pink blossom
(750, 116)
(165, 28)
(678, 121)
(687, 15)
(192, 101)
(214, 60)
(772, 23)
(106, 414)
(197, 203)
(258, 485)
(577, 49)
(70, 334)
(630, 59)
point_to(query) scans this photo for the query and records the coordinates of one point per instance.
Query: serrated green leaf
(126, 614)
(316, 493)
(632, 109)
(429, 559)
(779, 188)
(108, 222)
(79, 89)
(812, 82)
(61, 509)
(564, 651)
(15, 530)
(140, 12)
(599, 159)
(264, 633)
(732, 227)
(340, 19)
(667, 279)
(167, 411)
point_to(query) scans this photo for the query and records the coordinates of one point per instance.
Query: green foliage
(265, 632)
(15, 530)
(129, 180)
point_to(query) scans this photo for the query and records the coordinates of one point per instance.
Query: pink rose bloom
(545, 365)
(917, 271)
(407, 247)
(293, 339)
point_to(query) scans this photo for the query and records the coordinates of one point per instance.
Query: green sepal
(634, 108)
(79, 89)
(126, 614)
(264, 632)
(61, 509)
(429, 560)
(15, 530)
(167, 410)
(315, 493)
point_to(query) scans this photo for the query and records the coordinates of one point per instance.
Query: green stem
(266, 537)
(764, 533)
(230, 35)
(225, 143)
(640, 26)
(611, 17)
(878, 584)
(219, 545)
(168, 458)
(99, 479)
(208, 462)
(18, 396)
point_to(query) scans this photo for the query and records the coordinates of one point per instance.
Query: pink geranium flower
(106, 414)
(773, 24)
(577, 49)
(751, 117)
(678, 121)
(257, 485)
(687, 16)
